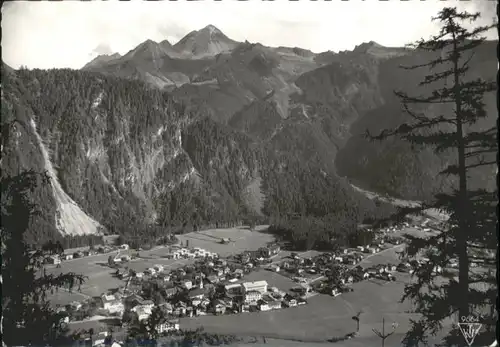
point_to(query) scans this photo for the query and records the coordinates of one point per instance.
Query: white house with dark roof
(252, 296)
(76, 305)
(196, 293)
(167, 325)
(112, 304)
(259, 286)
(143, 312)
(188, 284)
(233, 288)
(53, 259)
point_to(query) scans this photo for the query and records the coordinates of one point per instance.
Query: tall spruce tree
(27, 317)
(470, 230)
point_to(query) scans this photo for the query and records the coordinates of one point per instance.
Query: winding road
(433, 213)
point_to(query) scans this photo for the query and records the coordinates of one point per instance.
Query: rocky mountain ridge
(155, 137)
(124, 155)
(272, 94)
(101, 59)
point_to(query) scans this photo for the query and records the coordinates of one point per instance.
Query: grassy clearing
(99, 276)
(243, 239)
(273, 279)
(62, 297)
(316, 321)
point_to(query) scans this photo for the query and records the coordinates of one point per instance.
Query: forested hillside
(313, 105)
(136, 161)
(394, 166)
(257, 131)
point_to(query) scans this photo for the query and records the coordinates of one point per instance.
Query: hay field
(99, 279)
(243, 239)
(321, 319)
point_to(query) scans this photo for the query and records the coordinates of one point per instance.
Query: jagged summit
(295, 50)
(165, 43)
(148, 45)
(150, 49)
(377, 50)
(206, 42)
(212, 29)
(365, 46)
(148, 42)
(102, 59)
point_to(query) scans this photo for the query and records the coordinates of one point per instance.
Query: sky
(68, 34)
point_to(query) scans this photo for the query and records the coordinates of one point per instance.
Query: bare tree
(356, 319)
(382, 334)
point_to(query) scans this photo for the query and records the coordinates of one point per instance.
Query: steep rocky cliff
(252, 130)
(114, 149)
(121, 155)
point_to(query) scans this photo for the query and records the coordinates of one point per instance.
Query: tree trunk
(461, 239)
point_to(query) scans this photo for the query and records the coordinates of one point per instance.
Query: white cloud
(102, 48)
(65, 34)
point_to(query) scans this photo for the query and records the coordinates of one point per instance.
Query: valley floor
(313, 324)
(100, 277)
(324, 316)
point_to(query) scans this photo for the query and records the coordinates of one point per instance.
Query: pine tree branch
(432, 64)
(429, 79)
(473, 37)
(440, 140)
(481, 163)
(465, 65)
(478, 152)
(405, 131)
(441, 96)
(453, 169)
(486, 261)
(426, 121)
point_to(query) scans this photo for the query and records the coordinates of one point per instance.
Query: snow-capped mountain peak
(211, 29)
(207, 42)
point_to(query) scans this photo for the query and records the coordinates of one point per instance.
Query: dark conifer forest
(136, 160)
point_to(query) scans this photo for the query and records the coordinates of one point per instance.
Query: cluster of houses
(261, 256)
(319, 265)
(423, 224)
(186, 253)
(335, 286)
(305, 270)
(346, 276)
(210, 285)
(56, 259)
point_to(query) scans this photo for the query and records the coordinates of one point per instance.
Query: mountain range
(209, 130)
